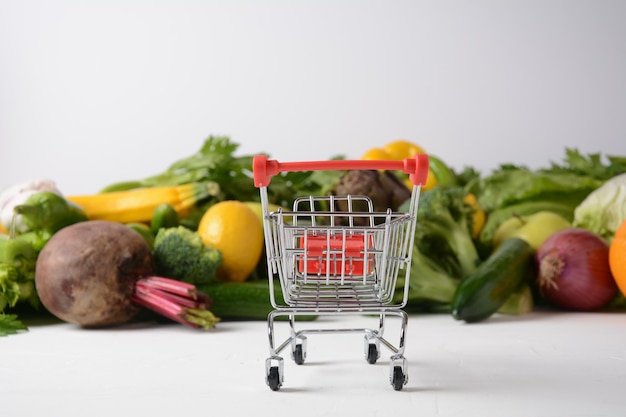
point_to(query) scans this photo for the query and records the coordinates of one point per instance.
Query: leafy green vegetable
(217, 161)
(518, 190)
(443, 251)
(9, 286)
(429, 282)
(9, 324)
(443, 254)
(443, 230)
(590, 165)
(567, 183)
(214, 161)
(510, 186)
(43, 213)
(604, 209)
(17, 272)
(467, 175)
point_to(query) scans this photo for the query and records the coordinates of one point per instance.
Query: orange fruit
(233, 228)
(617, 257)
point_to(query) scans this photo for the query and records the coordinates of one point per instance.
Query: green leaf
(592, 165)
(10, 324)
(507, 187)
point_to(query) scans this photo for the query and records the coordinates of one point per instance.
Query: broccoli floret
(181, 254)
(443, 230)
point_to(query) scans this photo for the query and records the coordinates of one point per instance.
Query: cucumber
(249, 300)
(483, 292)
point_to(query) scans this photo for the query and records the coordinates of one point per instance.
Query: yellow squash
(138, 205)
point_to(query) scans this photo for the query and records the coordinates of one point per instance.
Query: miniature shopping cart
(336, 255)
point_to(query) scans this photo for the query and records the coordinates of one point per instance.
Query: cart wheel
(372, 353)
(397, 378)
(298, 354)
(273, 378)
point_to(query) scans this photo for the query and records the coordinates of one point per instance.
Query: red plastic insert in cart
(336, 255)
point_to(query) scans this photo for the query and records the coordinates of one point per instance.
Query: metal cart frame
(335, 261)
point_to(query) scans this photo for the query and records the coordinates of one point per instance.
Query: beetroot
(99, 273)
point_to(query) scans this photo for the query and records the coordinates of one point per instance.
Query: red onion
(573, 270)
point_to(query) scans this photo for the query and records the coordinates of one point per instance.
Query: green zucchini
(249, 300)
(482, 293)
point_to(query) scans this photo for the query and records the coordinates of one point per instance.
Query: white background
(94, 92)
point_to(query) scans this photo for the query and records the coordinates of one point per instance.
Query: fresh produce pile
(187, 243)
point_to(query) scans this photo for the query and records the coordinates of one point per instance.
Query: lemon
(234, 229)
(376, 154)
(400, 149)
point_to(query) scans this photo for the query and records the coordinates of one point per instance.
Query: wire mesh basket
(335, 255)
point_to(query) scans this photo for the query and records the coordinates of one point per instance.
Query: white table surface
(543, 364)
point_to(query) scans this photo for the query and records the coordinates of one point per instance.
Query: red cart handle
(264, 169)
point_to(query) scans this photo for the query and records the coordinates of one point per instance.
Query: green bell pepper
(45, 213)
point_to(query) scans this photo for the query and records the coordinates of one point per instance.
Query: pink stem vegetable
(189, 309)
